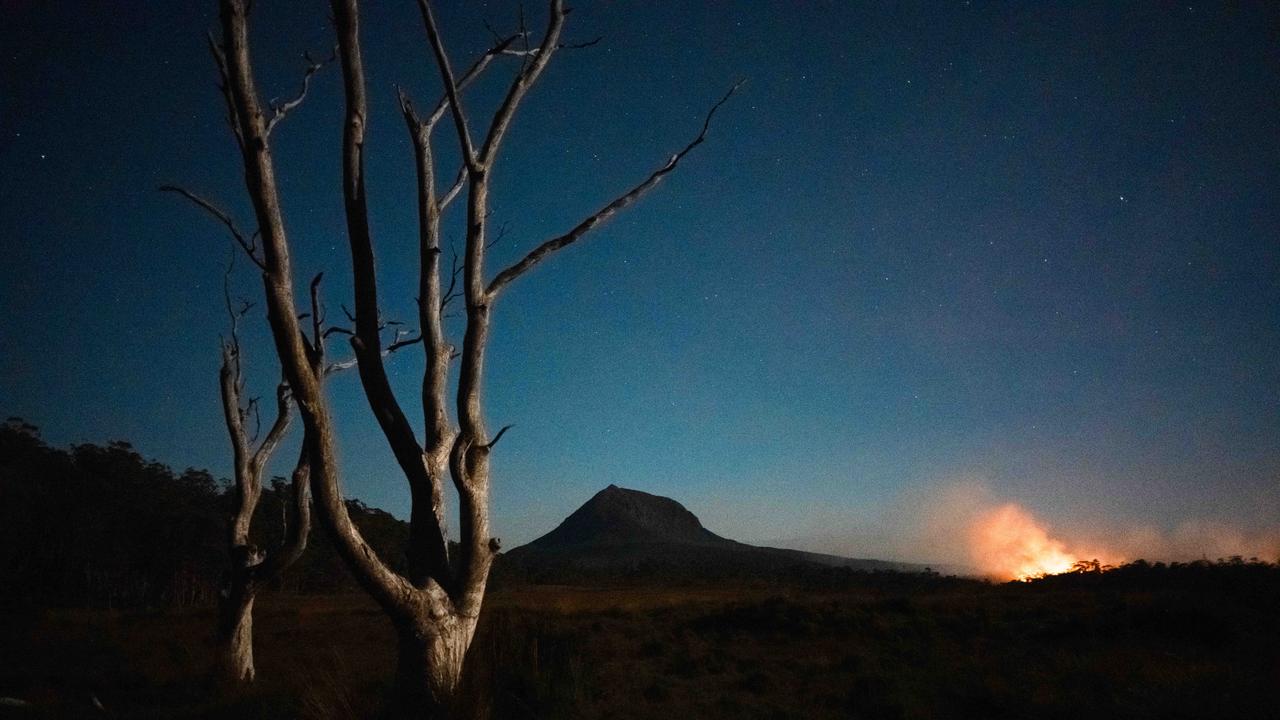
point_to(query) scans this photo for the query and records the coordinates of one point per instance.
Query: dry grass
(556, 652)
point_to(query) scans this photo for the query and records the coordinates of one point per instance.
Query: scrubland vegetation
(1189, 641)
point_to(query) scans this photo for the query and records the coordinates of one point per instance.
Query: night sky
(1032, 246)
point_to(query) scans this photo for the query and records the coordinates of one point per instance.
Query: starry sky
(1029, 243)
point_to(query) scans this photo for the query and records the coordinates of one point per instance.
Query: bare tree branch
(224, 87)
(420, 130)
(453, 191)
(252, 409)
(523, 81)
(524, 36)
(450, 87)
(398, 344)
(339, 366)
(313, 66)
(494, 33)
(276, 433)
(233, 413)
(499, 236)
(544, 250)
(317, 320)
(496, 438)
(453, 291)
(245, 243)
(233, 315)
(403, 343)
(528, 51)
(295, 542)
(473, 72)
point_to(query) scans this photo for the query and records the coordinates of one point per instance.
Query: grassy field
(947, 649)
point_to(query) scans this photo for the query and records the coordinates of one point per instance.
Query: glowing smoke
(1007, 543)
(964, 526)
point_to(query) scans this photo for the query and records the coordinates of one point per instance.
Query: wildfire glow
(1008, 543)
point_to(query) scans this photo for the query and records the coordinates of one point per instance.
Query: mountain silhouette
(624, 534)
(617, 516)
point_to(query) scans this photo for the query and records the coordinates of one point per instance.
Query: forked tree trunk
(430, 657)
(235, 635)
(251, 568)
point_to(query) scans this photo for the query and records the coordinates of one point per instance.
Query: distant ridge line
(625, 532)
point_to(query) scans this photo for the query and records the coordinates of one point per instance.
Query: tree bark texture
(429, 665)
(235, 636)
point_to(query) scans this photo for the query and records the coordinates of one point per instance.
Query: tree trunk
(235, 635)
(429, 664)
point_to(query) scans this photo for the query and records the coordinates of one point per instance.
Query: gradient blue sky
(1030, 243)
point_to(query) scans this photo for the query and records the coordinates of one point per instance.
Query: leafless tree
(434, 605)
(252, 567)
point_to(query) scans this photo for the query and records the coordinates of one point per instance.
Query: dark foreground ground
(876, 650)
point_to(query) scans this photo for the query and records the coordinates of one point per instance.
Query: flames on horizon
(1008, 543)
(967, 526)
(1004, 540)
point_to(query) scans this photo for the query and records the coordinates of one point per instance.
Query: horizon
(929, 259)
(1026, 550)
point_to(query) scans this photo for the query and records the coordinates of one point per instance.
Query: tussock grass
(1084, 647)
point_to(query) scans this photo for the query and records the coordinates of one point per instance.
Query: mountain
(623, 534)
(617, 516)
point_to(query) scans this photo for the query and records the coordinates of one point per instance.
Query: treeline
(1237, 576)
(101, 526)
(676, 565)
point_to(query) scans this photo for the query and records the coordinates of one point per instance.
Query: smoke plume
(965, 526)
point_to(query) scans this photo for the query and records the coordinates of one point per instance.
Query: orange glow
(1008, 543)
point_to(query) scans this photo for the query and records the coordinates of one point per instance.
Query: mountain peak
(625, 535)
(621, 516)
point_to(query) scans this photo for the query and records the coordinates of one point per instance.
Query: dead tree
(253, 567)
(434, 605)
